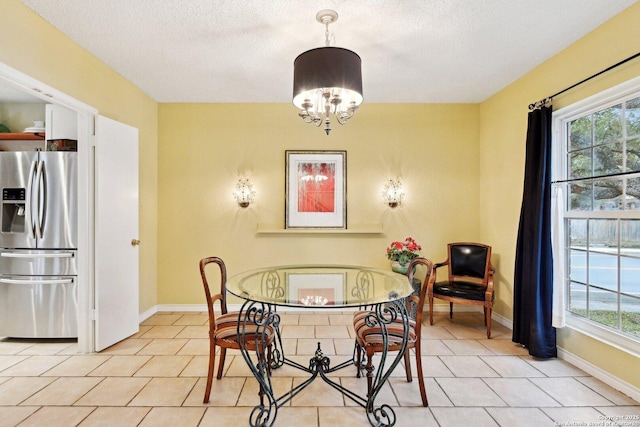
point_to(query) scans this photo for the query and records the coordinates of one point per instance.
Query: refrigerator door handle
(40, 191)
(36, 282)
(39, 255)
(29, 202)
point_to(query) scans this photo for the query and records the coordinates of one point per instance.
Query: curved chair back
(429, 280)
(223, 285)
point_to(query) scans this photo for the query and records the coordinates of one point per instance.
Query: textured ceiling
(243, 50)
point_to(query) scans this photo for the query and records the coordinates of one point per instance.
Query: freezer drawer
(33, 262)
(38, 306)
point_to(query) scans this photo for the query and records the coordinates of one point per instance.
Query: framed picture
(316, 189)
(316, 289)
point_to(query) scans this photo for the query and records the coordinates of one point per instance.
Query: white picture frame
(316, 189)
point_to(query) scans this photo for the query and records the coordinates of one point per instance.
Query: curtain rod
(548, 99)
(592, 178)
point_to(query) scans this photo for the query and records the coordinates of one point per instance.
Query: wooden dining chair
(369, 338)
(470, 279)
(223, 329)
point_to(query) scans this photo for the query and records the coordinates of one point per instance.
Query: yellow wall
(462, 166)
(503, 124)
(205, 148)
(34, 47)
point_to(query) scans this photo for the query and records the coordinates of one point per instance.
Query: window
(597, 162)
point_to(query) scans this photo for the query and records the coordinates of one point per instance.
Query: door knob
(135, 242)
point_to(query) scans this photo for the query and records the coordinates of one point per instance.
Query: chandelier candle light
(327, 81)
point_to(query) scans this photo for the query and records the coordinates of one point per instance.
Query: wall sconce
(244, 192)
(392, 192)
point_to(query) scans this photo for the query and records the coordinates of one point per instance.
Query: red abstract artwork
(316, 187)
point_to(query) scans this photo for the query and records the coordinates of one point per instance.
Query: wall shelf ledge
(356, 229)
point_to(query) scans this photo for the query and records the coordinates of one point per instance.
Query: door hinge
(92, 314)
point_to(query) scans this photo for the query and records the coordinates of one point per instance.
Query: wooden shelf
(21, 136)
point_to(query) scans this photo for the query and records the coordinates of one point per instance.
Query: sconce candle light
(392, 192)
(244, 192)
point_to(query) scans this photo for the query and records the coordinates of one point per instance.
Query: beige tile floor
(157, 378)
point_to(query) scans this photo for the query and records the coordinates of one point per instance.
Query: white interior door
(116, 232)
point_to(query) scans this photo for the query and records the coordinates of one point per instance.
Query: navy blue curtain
(533, 278)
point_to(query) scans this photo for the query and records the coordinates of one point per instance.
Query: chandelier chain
(326, 33)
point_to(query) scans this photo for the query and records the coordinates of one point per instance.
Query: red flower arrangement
(403, 252)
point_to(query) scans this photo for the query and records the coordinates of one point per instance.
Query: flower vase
(399, 268)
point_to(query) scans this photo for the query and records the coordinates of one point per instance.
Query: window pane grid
(602, 226)
(630, 315)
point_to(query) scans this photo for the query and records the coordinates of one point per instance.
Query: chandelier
(327, 81)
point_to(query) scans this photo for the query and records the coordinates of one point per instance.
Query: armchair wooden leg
(487, 320)
(450, 310)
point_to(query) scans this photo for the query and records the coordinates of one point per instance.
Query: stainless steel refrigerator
(38, 245)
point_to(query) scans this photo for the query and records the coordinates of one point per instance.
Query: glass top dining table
(382, 293)
(319, 286)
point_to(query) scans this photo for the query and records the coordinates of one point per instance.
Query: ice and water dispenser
(13, 210)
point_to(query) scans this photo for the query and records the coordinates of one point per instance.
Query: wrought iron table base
(264, 414)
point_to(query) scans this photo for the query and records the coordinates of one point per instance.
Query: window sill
(603, 334)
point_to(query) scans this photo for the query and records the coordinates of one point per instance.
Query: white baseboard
(184, 308)
(150, 312)
(597, 372)
(188, 308)
(502, 320)
(593, 370)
